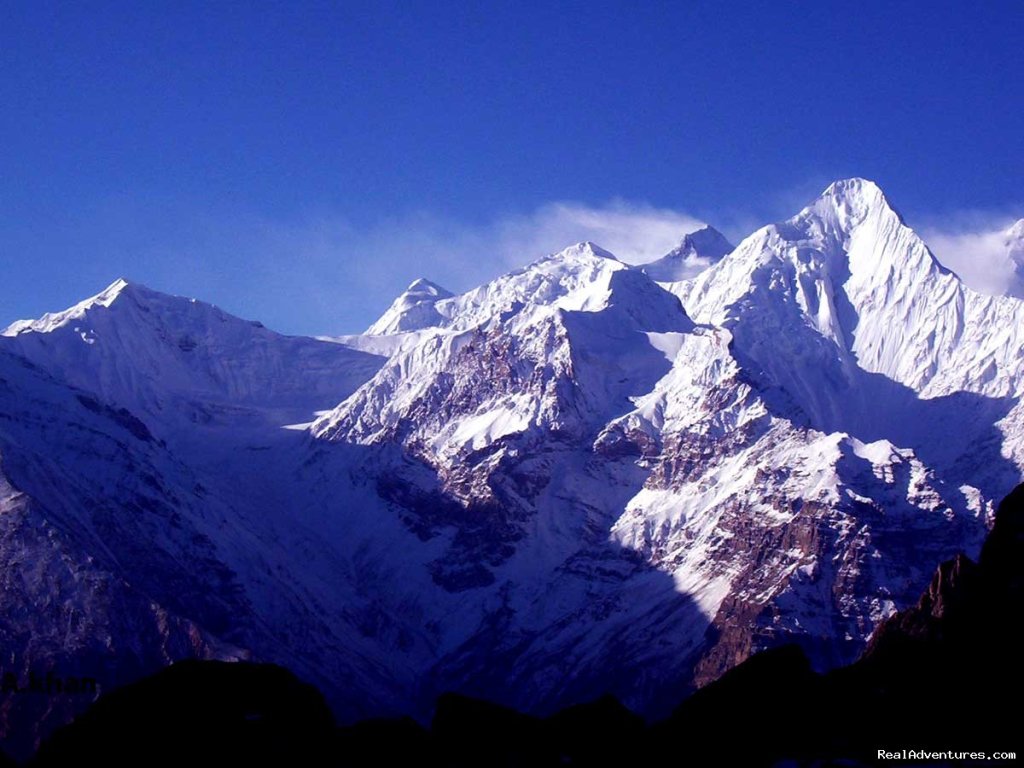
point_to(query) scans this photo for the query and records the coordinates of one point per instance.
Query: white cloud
(376, 263)
(976, 249)
(636, 234)
(326, 274)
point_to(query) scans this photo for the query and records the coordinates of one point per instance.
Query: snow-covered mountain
(413, 310)
(184, 362)
(574, 479)
(696, 252)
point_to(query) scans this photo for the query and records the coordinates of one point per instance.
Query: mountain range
(583, 477)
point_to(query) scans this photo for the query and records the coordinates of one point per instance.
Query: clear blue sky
(301, 163)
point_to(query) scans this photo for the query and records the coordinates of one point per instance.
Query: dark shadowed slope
(943, 675)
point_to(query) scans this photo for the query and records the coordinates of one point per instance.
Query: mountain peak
(854, 186)
(421, 286)
(107, 296)
(584, 249)
(706, 241)
(53, 320)
(697, 251)
(413, 310)
(125, 287)
(849, 202)
(115, 287)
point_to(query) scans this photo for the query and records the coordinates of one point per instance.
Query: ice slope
(180, 362)
(121, 554)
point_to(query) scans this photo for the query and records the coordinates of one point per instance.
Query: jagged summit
(852, 188)
(584, 249)
(51, 321)
(855, 222)
(422, 285)
(855, 294)
(855, 190)
(413, 310)
(849, 236)
(114, 289)
(122, 286)
(849, 202)
(696, 252)
(573, 278)
(706, 241)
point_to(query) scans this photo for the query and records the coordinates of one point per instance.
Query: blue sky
(300, 164)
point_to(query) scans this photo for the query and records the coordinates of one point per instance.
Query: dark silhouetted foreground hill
(199, 713)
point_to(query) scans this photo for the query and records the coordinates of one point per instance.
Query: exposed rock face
(969, 608)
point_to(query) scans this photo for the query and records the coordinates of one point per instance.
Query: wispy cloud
(635, 233)
(974, 245)
(325, 274)
(380, 260)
